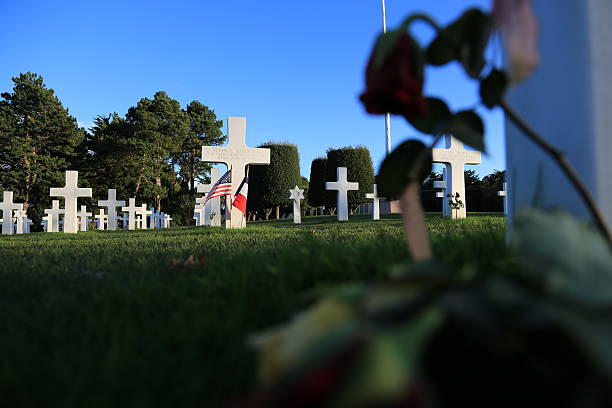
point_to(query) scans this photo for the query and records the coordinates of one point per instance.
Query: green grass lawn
(101, 319)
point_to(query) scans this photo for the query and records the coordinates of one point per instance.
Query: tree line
(151, 153)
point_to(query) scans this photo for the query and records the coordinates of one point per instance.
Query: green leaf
(442, 50)
(568, 258)
(493, 87)
(437, 119)
(469, 128)
(464, 40)
(385, 44)
(409, 162)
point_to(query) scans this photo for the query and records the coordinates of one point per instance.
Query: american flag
(221, 187)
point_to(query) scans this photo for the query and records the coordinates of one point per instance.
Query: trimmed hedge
(269, 185)
(358, 162)
(316, 186)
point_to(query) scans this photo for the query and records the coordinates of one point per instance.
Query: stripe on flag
(240, 201)
(222, 187)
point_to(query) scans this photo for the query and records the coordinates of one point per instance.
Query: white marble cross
(343, 186)
(102, 219)
(441, 185)
(236, 155)
(142, 212)
(84, 218)
(456, 157)
(160, 219)
(152, 215)
(213, 206)
(28, 225)
(20, 219)
(198, 216)
(297, 194)
(167, 219)
(7, 206)
(504, 193)
(131, 210)
(53, 214)
(376, 204)
(124, 221)
(45, 223)
(111, 204)
(71, 192)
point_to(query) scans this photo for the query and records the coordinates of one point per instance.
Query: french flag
(240, 200)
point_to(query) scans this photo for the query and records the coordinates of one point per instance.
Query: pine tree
(39, 141)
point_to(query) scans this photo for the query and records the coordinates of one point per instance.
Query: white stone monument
(131, 210)
(166, 221)
(213, 206)
(45, 223)
(102, 220)
(441, 185)
(71, 192)
(376, 203)
(343, 186)
(111, 204)
(20, 221)
(53, 214)
(7, 206)
(152, 216)
(297, 194)
(568, 101)
(236, 155)
(198, 216)
(28, 224)
(124, 221)
(455, 156)
(142, 214)
(84, 218)
(504, 193)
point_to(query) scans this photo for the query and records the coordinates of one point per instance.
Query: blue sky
(294, 69)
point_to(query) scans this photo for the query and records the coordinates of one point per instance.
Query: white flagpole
(387, 116)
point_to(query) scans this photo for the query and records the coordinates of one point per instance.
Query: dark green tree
(39, 141)
(358, 162)
(158, 129)
(269, 185)
(316, 186)
(204, 129)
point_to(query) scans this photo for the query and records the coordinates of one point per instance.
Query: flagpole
(387, 116)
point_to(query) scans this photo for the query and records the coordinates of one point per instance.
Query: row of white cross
(14, 218)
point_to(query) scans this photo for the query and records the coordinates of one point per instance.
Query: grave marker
(455, 156)
(343, 186)
(20, 220)
(131, 210)
(84, 218)
(376, 204)
(236, 155)
(53, 214)
(111, 203)
(71, 192)
(297, 194)
(7, 206)
(102, 219)
(213, 206)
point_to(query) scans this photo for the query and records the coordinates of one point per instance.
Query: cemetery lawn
(101, 318)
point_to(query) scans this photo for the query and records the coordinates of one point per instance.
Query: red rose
(396, 85)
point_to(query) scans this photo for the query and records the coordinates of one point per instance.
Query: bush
(269, 185)
(316, 186)
(358, 162)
